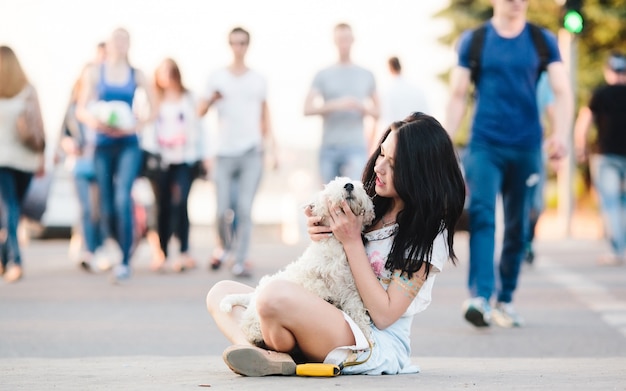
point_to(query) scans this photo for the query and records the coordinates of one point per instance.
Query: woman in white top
(418, 192)
(180, 145)
(18, 163)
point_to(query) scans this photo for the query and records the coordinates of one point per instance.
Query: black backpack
(478, 40)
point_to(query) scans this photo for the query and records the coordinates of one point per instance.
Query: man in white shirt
(239, 95)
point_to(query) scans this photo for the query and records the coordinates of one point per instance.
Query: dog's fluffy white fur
(323, 268)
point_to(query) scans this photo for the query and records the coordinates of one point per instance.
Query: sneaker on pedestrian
(104, 264)
(102, 258)
(87, 265)
(87, 262)
(121, 273)
(240, 270)
(107, 255)
(248, 360)
(215, 264)
(477, 311)
(504, 315)
(218, 257)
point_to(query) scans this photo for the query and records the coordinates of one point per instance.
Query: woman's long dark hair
(428, 179)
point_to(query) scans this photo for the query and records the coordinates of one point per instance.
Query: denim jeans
(608, 173)
(491, 170)
(117, 166)
(13, 186)
(87, 191)
(537, 203)
(243, 173)
(174, 184)
(342, 161)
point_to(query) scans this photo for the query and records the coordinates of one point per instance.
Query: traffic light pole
(565, 175)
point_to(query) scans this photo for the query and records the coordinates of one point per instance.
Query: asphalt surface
(61, 328)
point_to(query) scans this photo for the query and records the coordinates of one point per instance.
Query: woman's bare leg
(292, 316)
(227, 322)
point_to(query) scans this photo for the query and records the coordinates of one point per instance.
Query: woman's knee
(215, 295)
(275, 298)
(221, 289)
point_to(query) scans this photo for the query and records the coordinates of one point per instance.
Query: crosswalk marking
(595, 296)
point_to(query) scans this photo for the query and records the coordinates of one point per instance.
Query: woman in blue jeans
(77, 143)
(18, 163)
(117, 156)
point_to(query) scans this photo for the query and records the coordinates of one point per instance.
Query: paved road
(64, 329)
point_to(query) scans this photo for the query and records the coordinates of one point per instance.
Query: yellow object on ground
(317, 370)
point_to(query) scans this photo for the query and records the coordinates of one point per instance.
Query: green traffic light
(573, 22)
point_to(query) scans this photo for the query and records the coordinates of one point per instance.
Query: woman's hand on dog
(317, 231)
(345, 225)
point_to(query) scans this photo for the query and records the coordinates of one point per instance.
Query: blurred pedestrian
(607, 111)
(105, 104)
(398, 98)
(240, 96)
(180, 146)
(146, 190)
(343, 94)
(78, 144)
(146, 193)
(18, 161)
(545, 105)
(504, 151)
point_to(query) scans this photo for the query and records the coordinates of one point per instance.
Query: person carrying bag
(22, 143)
(30, 130)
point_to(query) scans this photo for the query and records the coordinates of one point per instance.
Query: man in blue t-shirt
(504, 151)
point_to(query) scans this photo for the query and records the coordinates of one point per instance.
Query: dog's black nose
(349, 187)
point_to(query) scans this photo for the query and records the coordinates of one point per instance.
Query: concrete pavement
(61, 328)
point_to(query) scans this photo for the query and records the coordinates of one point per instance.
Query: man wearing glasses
(504, 152)
(240, 96)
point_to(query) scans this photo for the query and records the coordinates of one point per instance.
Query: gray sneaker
(504, 315)
(121, 273)
(477, 311)
(242, 271)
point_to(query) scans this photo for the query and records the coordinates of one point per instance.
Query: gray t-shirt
(343, 128)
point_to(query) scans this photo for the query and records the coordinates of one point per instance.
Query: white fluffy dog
(323, 268)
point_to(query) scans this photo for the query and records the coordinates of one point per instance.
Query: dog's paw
(235, 299)
(226, 305)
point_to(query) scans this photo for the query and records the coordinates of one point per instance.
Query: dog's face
(342, 188)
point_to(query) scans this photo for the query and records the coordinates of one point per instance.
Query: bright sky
(291, 40)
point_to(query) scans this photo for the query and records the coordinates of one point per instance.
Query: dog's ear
(369, 215)
(319, 206)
